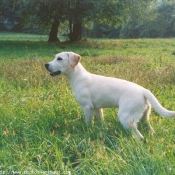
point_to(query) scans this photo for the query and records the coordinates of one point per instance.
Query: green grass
(42, 128)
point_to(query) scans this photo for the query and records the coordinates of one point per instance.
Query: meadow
(42, 128)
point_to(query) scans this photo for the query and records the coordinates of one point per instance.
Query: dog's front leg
(88, 114)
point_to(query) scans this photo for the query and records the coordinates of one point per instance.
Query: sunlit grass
(11, 36)
(42, 128)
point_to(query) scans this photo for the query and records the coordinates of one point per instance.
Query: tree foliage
(158, 20)
(77, 12)
(12, 13)
(100, 18)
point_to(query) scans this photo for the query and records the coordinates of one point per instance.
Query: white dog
(94, 92)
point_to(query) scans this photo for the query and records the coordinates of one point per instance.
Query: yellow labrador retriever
(94, 92)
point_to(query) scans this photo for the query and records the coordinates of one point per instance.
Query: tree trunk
(75, 23)
(53, 32)
(75, 33)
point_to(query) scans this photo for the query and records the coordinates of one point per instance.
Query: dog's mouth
(55, 73)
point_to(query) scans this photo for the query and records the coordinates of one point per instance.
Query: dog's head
(62, 63)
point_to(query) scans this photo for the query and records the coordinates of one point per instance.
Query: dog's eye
(59, 58)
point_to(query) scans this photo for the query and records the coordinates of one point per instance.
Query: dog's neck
(73, 74)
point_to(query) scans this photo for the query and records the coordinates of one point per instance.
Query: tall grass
(42, 128)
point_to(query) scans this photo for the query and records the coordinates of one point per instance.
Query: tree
(81, 12)
(165, 20)
(76, 9)
(48, 13)
(157, 20)
(141, 17)
(12, 12)
(51, 13)
(78, 13)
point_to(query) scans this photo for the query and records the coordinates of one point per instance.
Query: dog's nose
(47, 66)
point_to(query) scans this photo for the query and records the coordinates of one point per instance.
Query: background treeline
(157, 20)
(77, 19)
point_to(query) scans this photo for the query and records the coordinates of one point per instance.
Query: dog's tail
(157, 106)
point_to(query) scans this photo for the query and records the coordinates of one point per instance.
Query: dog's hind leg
(135, 131)
(99, 114)
(130, 123)
(146, 116)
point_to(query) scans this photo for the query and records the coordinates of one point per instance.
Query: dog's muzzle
(52, 73)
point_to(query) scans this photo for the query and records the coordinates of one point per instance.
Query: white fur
(94, 92)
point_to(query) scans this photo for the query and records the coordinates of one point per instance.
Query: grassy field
(42, 128)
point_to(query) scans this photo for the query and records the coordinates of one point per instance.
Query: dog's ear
(73, 59)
